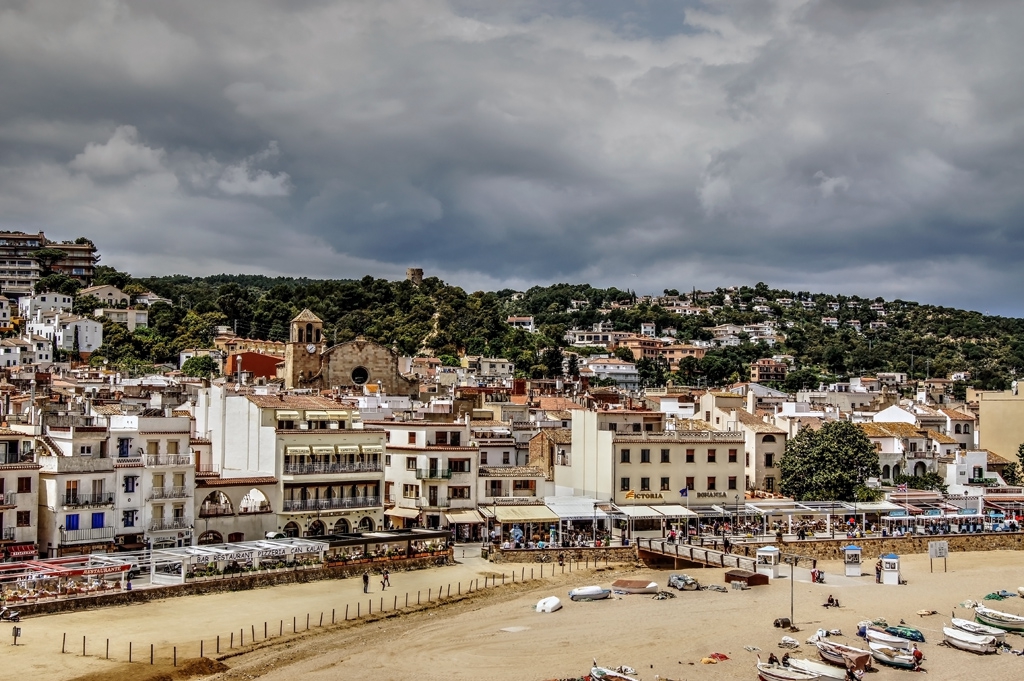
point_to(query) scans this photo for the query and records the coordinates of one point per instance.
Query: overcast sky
(870, 147)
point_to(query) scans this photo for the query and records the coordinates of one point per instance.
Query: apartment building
(767, 369)
(763, 442)
(132, 319)
(19, 495)
(68, 331)
(30, 306)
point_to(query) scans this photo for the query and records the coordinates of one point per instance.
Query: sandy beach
(496, 635)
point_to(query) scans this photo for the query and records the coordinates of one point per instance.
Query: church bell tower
(302, 353)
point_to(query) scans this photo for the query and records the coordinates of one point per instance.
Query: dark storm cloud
(870, 148)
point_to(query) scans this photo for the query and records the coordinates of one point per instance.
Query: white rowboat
(602, 674)
(549, 604)
(590, 593)
(973, 643)
(1000, 620)
(885, 639)
(823, 671)
(979, 629)
(892, 656)
(635, 586)
(841, 655)
(776, 672)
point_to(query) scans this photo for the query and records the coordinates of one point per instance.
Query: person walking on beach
(387, 577)
(366, 582)
(878, 571)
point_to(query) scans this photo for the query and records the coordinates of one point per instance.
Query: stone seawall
(610, 554)
(236, 583)
(832, 549)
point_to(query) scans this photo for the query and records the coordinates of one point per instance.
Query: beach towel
(719, 656)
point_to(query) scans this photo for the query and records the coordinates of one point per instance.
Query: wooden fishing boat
(776, 672)
(823, 671)
(635, 586)
(589, 593)
(1000, 620)
(972, 642)
(972, 627)
(903, 631)
(549, 604)
(884, 638)
(602, 674)
(844, 656)
(893, 657)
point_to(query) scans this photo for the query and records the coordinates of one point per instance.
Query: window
(128, 518)
(967, 428)
(387, 459)
(129, 483)
(746, 458)
(711, 483)
(707, 416)
(71, 492)
(85, 450)
(649, 427)
(458, 465)
(645, 456)
(645, 484)
(505, 458)
(410, 491)
(24, 485)
(665, 458)
(664, 485)
(711, 456)
(690, 454)
(768, 438)
(689, 483)
(524, 485)
(97, 519)
(956, 429)
(913, 446)
(613, 426)
(441, 438)
(732, 456)
(769, 484)
(153, 447)
(24, 518)
(769, 460)
(624, 484)
(412, 438)
(281, 425)
(71, 521)
(410, 463)
(732, 482)
(624, 456)
(483, 458)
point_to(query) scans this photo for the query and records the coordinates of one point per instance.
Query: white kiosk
(891, 569)
(768, 561)
(851, 559)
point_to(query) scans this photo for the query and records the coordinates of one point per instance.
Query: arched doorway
(216, 503)
(920, 469)
(885, 472)
(211, 537)
(254, 501)
(895, 471)
(366, 524)
(342, 527)
(316, 529)
(291, 529)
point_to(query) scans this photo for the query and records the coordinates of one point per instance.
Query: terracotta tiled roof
(235, 482)
(287, 401)
(560, 436)
(511, 472)
(108, 410)
(957, 415)
(559, 415)
(487, 423)
(306, 316)
(891, 429)
(755, 424)
(558, 404)
(941, 439)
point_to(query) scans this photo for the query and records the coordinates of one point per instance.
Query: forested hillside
(439, 319)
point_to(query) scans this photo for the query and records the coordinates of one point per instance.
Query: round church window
(360, 375)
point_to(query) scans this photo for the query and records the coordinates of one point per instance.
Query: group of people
(385, 580)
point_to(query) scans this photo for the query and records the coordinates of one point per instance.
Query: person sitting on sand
(831, 602)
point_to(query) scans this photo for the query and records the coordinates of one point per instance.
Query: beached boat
(683, 583)
(589, 593)
(1000, 620)
(972, 642)
(972, 627)
(844, 656)
(776, 672)
(602, 674)
(884, 638)
(823, 671)
(635, 586)
(894, 657)
(903, 631)
(549, 604)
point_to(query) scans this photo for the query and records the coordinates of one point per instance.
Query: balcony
(89, 535)
(331, 468)
(157, 460)
(169, 493)
(163, 524)
(300, 505)
(215, 510)
(208, 470)
(96, 499)
(7, 534)
(433, 474)
(988, 482)
(9, 499)
(439, 502)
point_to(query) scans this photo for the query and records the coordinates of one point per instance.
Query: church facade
(309, 363)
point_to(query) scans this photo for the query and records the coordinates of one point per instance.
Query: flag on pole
(684, 492)
(631, 494)
(902, 487)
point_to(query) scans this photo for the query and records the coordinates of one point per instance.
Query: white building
(109, 295)
(524, 323)
(133, 319)
(622, 372)
(68, 330)
(30, 306)
(19, 495)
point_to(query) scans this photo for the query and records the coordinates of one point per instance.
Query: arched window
(341, 527)
(956, 429)
(216, 503)
(885, 472)
(300, 336)
(967, 428)
(366, 524)
(316, 529)
(254, 501)
(768, 438)
(895, 471)
(210, 537)
(309, 332)
(317, 336)
(920, 469)
(291, 529)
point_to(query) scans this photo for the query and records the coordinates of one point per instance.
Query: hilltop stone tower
(415, 275)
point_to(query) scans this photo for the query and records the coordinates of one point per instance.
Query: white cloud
(830, 185)
(246, 179)
(120, 156)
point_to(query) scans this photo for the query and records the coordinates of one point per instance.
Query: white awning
(400, 512)
(337, 415)
(316, 416)
(463, 517)
(323, 450)
(287, 415)
(296, 451)
(372, 449)
(638, 512)
(674, 511)
(575, 508)
(348, 449)
(525, 514)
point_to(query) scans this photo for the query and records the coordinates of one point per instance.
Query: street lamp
(594, 525)
(736, 517)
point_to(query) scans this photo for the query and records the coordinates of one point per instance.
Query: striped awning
(323, 450)
(372, 449)
(296, 451)
(348, 449)
(337, 415)
(287, 415)
(316, 416)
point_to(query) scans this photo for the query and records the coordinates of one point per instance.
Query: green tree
(58, 283)
(199, 366)
(829, 464)
(47, 258)
(450, 361)
(574, 365)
